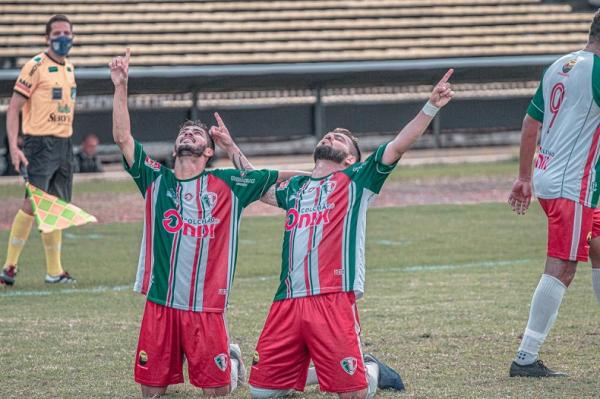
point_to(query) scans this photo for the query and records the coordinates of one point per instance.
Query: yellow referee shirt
(51, 90)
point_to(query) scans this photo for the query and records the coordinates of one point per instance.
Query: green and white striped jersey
(189, 244)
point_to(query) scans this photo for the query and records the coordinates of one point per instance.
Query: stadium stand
(233, 32)
(292, 68)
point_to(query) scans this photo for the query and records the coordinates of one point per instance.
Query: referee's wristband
(429, 109)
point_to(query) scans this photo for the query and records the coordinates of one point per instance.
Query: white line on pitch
(408, 269)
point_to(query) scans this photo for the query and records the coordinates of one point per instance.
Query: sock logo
(349, 365)
(221, 361)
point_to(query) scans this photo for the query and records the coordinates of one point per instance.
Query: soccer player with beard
(188, 254)
(314, 315)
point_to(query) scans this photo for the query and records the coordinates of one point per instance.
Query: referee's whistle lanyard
(61, 45)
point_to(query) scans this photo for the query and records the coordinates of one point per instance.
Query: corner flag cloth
(52, 213)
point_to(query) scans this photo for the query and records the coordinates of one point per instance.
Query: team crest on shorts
(221, 361)
(589, 238)
(143, 358)
(255, 358)
(349, 365)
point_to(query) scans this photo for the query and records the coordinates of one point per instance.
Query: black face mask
(327, 153)
(186, 150)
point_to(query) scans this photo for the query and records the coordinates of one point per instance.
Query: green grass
(16, 190)
(451, 329)
(401, 173)
(456, 171)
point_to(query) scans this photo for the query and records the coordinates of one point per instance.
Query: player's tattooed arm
(269, 197)
(239, 160)
(221, 136)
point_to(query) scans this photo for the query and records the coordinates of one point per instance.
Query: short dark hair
(57, 18)
(198, 123)
(354, 140)
(595, 28)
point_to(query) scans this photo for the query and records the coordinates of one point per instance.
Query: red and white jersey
(324, 238)
(189, 245)
(567, 103)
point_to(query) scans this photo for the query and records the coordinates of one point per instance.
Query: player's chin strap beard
(186, 150)
(327, 153)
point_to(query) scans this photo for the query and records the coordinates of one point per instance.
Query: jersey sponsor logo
(36, 66)
(188, 197)
(57, 93)
(173, 222)
(349, 364)
(221, 361)
(73, 93)
(295, 219)
(152, 164)
(61, 119)
(313, 215)
(63, 109)
(566, 68)
(52, 69)
(543, 159)
(24, 85)
(242, 180)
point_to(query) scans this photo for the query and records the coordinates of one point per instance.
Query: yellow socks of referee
(19, 233)
(52, 245)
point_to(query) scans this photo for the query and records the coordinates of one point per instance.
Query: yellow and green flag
(52, 213)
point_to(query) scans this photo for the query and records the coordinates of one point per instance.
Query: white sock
(372, 378)
(234, 374)
(544, 309)
(596, 283)
(311, 377)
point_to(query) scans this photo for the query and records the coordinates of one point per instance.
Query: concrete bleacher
(260, 32)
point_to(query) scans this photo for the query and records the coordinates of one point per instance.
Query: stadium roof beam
(176, 79)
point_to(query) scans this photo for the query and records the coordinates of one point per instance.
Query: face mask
(61, 45)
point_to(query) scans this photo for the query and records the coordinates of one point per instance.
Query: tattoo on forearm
(269, 197)
(241, 162)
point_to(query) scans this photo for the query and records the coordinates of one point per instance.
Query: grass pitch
(447, 296)
(448, 292)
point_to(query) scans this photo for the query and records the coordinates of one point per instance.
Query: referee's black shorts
(50, 164)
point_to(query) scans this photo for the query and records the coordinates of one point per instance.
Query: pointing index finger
(219, 120)
(446, 77)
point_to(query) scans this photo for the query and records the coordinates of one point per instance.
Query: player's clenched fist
(119, 68)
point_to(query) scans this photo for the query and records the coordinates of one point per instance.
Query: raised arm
(440, 96)
(119, 73)
(223, 139)
(221, 136)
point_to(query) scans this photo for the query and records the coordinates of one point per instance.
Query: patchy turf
(448, 291)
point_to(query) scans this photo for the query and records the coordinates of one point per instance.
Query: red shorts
(570, 228)
(168, 334)
(324, 328)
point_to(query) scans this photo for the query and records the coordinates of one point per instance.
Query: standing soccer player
(188, 254)
(45, 92)
(566, 107)
(314, 315)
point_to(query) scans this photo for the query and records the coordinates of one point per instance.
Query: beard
(327, 153)
(186, 150)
